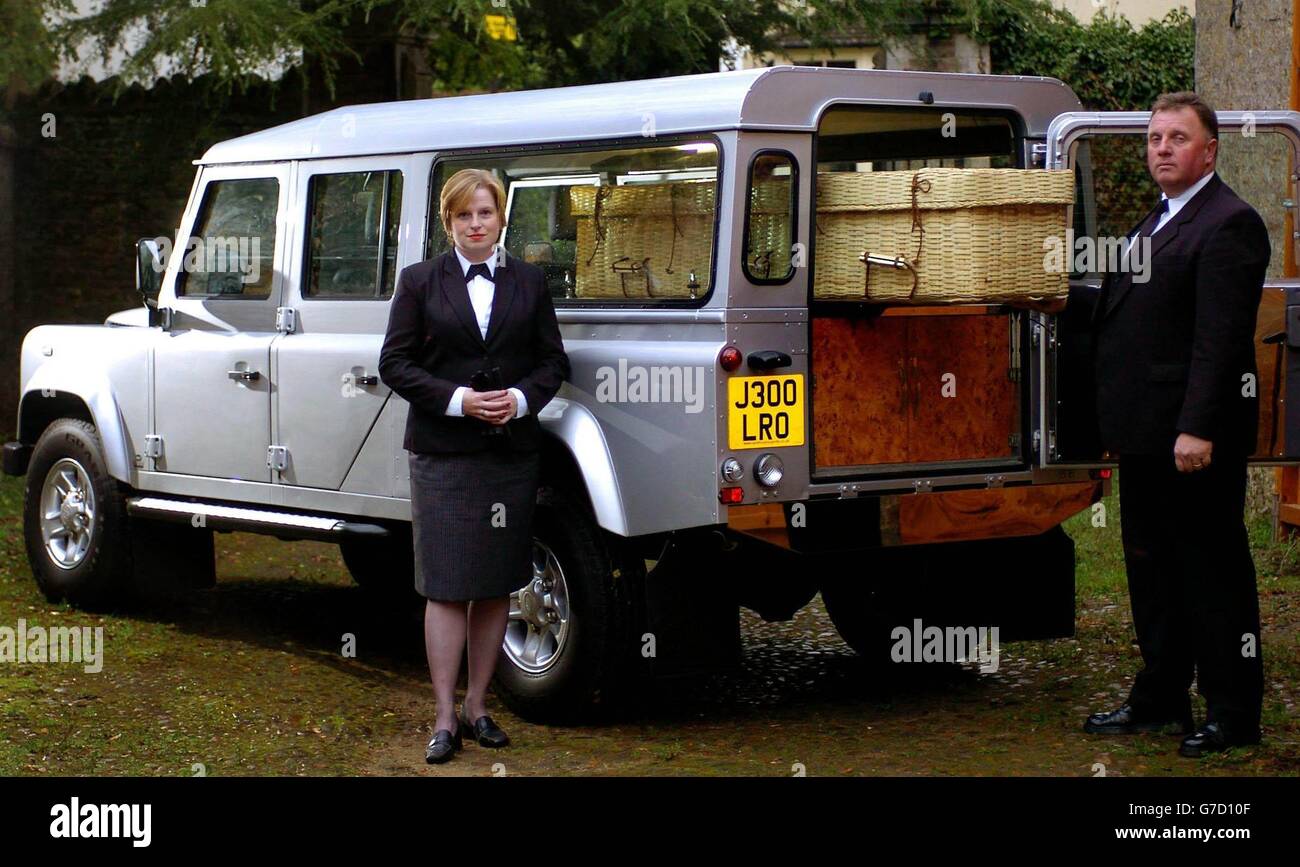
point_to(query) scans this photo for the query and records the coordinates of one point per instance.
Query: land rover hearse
(753, 415)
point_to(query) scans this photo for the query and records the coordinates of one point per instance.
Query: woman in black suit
(474, 348)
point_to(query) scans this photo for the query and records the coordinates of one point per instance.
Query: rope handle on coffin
(921, 185)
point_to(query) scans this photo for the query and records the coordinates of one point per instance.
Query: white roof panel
(777, 97)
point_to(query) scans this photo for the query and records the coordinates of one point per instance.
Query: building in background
(959, 53)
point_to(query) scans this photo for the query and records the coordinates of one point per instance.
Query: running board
(286, 525)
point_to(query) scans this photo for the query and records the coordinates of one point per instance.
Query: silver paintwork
(778, 98)
(647, 467)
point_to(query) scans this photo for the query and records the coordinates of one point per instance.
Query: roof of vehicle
(787, 98)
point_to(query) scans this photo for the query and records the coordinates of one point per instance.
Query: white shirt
(1177, 202)
(1175, 205)
(481, 291)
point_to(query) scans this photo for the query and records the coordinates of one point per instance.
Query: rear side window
(352, 251)
(232, 252)
(628, 224)
(769, 219)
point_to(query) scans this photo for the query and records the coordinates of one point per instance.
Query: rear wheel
(75, 525)
(384, 567)
(861, 596)
(570, 645)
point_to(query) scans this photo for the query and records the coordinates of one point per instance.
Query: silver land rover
(728, 437)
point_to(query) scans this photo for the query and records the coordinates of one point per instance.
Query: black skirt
(471, 519)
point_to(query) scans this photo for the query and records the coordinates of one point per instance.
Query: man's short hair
(1188, 99)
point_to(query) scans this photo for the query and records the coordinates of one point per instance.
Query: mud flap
(691, 609)
(1024, 585)
(169, 558)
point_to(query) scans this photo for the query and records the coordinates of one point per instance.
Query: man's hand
(1191, 453)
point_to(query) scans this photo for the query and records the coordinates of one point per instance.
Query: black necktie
(1152, 221)
(481, 269)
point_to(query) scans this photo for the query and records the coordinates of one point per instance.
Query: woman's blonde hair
(458, 192)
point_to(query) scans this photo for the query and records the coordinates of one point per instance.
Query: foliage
(28, 50)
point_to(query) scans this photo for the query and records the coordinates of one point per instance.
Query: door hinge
(923, 486)
(1038, 155)
(1036, 442)
(285, 320)
(277, 458)
(153, 446)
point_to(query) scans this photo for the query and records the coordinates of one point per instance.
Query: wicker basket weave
(643, 240)
(955, 235)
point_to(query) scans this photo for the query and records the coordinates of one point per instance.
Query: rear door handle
(244, 375)
(768, 359)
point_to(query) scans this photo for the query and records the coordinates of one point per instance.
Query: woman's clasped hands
(496, 407)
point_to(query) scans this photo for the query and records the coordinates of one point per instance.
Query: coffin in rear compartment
(914, 385)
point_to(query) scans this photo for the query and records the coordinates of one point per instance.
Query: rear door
(1258, 155)
(356, 216)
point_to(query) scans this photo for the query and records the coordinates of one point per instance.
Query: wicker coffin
(643, 240)
(940, 235)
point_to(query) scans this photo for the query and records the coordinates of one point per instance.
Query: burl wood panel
(948, 516)
(945, 516)
(1272, 410)
(859, 398)
(878, 393)
(972, 413)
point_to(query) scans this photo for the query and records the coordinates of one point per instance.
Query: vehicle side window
(625, 225)
(353, 236)
(769, 222)
(232, 252)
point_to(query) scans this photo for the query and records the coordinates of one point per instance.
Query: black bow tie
(481, 269)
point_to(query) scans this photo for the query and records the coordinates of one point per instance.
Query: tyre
(383, 567)
(75, 525)
(571, 640)
(860, 592)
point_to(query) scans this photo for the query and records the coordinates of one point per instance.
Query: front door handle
(244, 375)
(366, 380)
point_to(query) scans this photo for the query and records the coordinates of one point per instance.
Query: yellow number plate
(765, 411)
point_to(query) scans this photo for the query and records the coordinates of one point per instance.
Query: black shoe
(443, 746)
(1125, 722)
(484, 731)
(1213, 738)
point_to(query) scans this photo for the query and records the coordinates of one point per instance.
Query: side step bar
(286, 525)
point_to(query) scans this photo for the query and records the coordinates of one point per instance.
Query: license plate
(765, 411)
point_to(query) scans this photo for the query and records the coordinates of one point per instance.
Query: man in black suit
(1177, 402)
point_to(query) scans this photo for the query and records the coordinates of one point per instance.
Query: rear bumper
(16, 456)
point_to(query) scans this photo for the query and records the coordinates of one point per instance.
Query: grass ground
(251, 678)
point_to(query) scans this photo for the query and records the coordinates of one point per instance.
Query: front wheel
(75, 525)
(570, 645)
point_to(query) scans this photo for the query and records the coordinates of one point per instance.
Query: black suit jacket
(433, 345)
(1171, 353)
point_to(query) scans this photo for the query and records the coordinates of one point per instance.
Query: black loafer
(1213, 738)
(484, 731)
(1124, 722)
(443, 746)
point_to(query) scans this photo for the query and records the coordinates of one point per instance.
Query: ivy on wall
(1110, 64)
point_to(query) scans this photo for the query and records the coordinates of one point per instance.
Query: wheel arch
(54, 392)
(575, 447)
